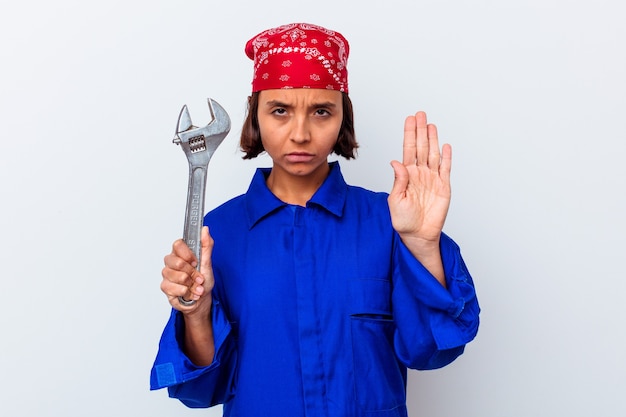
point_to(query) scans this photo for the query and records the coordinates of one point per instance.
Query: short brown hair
(252, 146)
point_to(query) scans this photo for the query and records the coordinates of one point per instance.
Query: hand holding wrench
(199, 144)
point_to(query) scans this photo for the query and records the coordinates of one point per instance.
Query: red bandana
(299, 55)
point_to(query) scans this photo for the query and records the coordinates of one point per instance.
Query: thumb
(401, 179)
(206, 242)
(203, 281)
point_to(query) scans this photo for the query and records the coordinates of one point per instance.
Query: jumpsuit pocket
(378, 376)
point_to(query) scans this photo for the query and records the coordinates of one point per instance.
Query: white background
(531, 94)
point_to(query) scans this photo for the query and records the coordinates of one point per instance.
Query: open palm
(420, 195)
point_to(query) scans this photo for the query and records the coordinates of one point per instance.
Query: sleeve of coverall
(193, 385)
(433, 323)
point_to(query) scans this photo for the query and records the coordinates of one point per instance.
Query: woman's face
(299, 128)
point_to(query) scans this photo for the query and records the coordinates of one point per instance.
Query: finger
(180, 270)
(409, 150)
(180, 249)
(401, 180)
(422, 145)
(174, 290)
(446, 163)
(182, 278)
(196, 288)
(175, 264)
(433, 148)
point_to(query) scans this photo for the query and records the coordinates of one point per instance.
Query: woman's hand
(182, 279)
(420, 196)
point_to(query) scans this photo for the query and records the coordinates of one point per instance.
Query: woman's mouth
(299, 157)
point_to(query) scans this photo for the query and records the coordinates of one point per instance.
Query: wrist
(420, 243)
(428, 253)
(201, 315)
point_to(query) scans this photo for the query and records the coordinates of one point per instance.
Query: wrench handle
(194, 212)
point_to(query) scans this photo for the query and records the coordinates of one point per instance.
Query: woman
(314, 296)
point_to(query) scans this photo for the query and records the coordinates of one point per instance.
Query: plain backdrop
(530, 93)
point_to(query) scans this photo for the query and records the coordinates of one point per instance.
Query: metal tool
(199, 144)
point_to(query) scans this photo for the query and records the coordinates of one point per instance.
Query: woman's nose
(300, 132)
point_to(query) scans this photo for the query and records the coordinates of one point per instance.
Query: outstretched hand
(420, 196)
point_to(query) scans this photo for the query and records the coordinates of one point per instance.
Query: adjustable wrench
(199, 144)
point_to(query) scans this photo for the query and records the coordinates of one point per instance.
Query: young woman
(314, 296)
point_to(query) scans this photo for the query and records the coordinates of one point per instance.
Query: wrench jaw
(199, 144)
(219, 127)
(184, 120)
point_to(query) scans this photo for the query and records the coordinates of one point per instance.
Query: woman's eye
(279, 111)
(322, 112)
